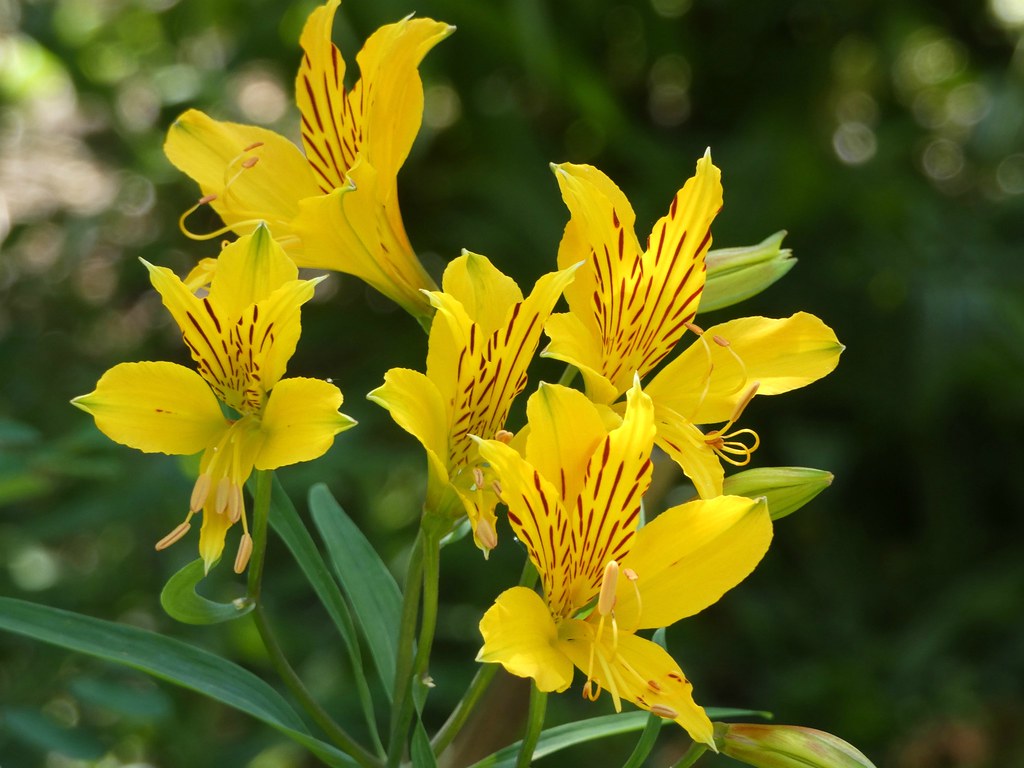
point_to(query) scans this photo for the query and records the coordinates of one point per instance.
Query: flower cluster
(572, 479)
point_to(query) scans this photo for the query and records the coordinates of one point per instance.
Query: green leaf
(32, 727)
(375, 597)
(138, 700)
(286, 523)
(168, 659)
(182, 603)
(570, 734)
(422, 754)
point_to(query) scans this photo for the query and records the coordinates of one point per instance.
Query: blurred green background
(887, 138)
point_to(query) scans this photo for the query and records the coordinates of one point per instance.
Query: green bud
(786, 746)
(735, 274)
(786, 488)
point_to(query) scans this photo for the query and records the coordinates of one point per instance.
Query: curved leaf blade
(369, 585)
(168, 659)
(182, 603)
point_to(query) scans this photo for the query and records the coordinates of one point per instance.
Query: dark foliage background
(887, 138)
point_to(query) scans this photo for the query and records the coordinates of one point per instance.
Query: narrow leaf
(182, 603)
(168, 659)
(375, 597)
(570, 734)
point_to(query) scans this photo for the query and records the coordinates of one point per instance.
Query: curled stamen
(174, 535)
(727, 448)
(244, 553)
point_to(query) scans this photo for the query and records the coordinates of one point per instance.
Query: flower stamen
(175, 535)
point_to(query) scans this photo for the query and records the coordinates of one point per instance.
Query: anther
(206, 199)
(235, 503)
(695, 328)
(244, 552)
(223, 491)
(745, 401)
(478, 477)
(606, 601)
(249, 162)
(503, 436)
(254, 145)
(486, 536)
(173, 536)
(720, 341)
(200, 491)
(662, 710)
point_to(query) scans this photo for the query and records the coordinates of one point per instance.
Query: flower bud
(735, 274)
(786, 488)
(786, 746)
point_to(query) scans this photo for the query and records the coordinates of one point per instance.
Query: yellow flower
(241, 336)
(574, 501)
(481, 342)
(630, 306)
(337, 206)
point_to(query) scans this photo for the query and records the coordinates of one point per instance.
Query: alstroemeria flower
(574, 501)
(241, 336)
(630, 306)
(336, 207)
(482, 340)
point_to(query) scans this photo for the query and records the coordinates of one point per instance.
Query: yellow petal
(689, 556)
(271, 330)
(632, 307)
(520, 634)
(565, 430)
(417, 407)
(155, 407)
(357, 230)
(219, 156)
(607, 511)
(781, 355)
(300, 421)
(330, 134)
(211, 537)
(637, 670)
(249, 270)
(572, 343)
(538, 518)
(484, 292)
(681, 440)
(389, 95)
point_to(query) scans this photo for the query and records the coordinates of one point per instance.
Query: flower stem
(260, 515)
(645, 743)
(416, 584)
(477, 687)
(691, 755)
(534, 725)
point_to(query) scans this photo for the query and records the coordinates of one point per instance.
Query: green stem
(691, 756)
(477, 687)
(534, 725)
(260, 515)
(294, 683)
(645, 743)
(568, 375)
(405, 660)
